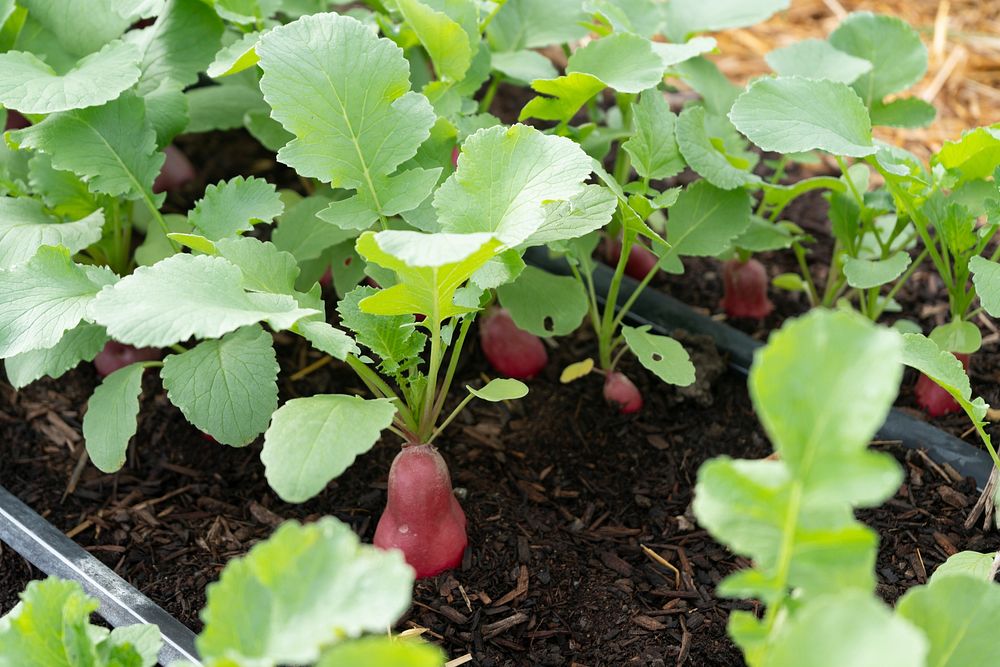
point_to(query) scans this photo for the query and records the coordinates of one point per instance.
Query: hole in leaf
(657, 357)
(549, 324)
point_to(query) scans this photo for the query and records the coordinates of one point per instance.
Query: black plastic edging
(665, 314)
(48, 549)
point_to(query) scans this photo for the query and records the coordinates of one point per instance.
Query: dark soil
(561, 495)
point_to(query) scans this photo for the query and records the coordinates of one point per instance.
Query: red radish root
(622, 393)
(934, 400)
(116, 355)
(745, 289)
(422, 517)
(15, 121)
(177, 171)
(511, 352)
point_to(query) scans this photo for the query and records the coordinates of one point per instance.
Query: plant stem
(451, 417)
(800, 257)
(456, 351)
(427, 415)
(607, 329)
(379, 387)
(623, 164)
(491, 92)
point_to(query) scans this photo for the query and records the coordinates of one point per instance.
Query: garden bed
(561, 495)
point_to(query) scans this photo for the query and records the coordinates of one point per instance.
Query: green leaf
(311, 441)
(354, 122)
(226, 387)
(947, 371)
(687, 16)
(717, 92)
(110, 421)
(957, 336)
(705, 220)
(304, 589)
(445, 40)
(25, 227)
(986, 278)
(544, 304)
(848, 629)
(653, 147)
(166, 108)
(956, 615)
(763, 236)
(329, 339)
(500, 389)
(382, 651)
(817, 59)
(564, 97)
(233, 207)
(709, 155)
(505, 177)
(530, 24)
(430, 268)
(577, 216)
(303, 234)
(975, 155)
(132, 645)
(264, 267)
(859, 367)
(664, 356)
(894, 49)
(30, 86)
(523, 65)
(965, 564)
(62, 191)
(238, 56)
(622, 61)
(869, 273)
(111, 147)
(394, 340)
(51, 628)
(908, 112)
(181, 43)
(792, 114)
(80, 28)
(221, 107)
(44, 298)
(82, 343)
(184, 296)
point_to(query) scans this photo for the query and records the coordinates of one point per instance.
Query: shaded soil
(560, 492)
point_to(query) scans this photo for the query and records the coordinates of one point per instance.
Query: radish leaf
(226, 387)
(378, 651)
(500, 389)
(653, 146)
(664, 356)
(25, 227)
(898, 57)
(869, 273)
(313, 440)
(544, 304)
(110, 421)
(705, 220)
(986, 278)
(394, 339)
(81, 343)
(711, 146)
(817, 59)
(234, 206)
(793, 114)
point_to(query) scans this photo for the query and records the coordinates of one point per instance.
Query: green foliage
(81, 343)
(898, 57)
(394, 340)
(306, 588)
(226, 387)
(51, 628)
(868, 273)
(110, 421)
(25, 227)
(705, 220)
(544, 304)
(30, 86)
(344, 94)
(986, 277)
(500, 389)
(817, 59)
(711, 147)
(793, 114)
(231, 208)
(653, 146)
(184, 296)
(507, 181)
(311, 441)
(662, 355)
(688, 16)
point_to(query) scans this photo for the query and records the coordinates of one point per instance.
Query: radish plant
(793, 514)
(334, 615)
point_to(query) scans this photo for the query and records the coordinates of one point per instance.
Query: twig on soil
(985, 504)
(311, 368)
(74, 479)
(459, 661)
(655, 557)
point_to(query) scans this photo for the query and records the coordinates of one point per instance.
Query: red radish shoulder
(745, 289)
(512, 352)
(622, 393)
(117, 355)
(934, 400)
(177, 171)
(422, 517)
(641, 260)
